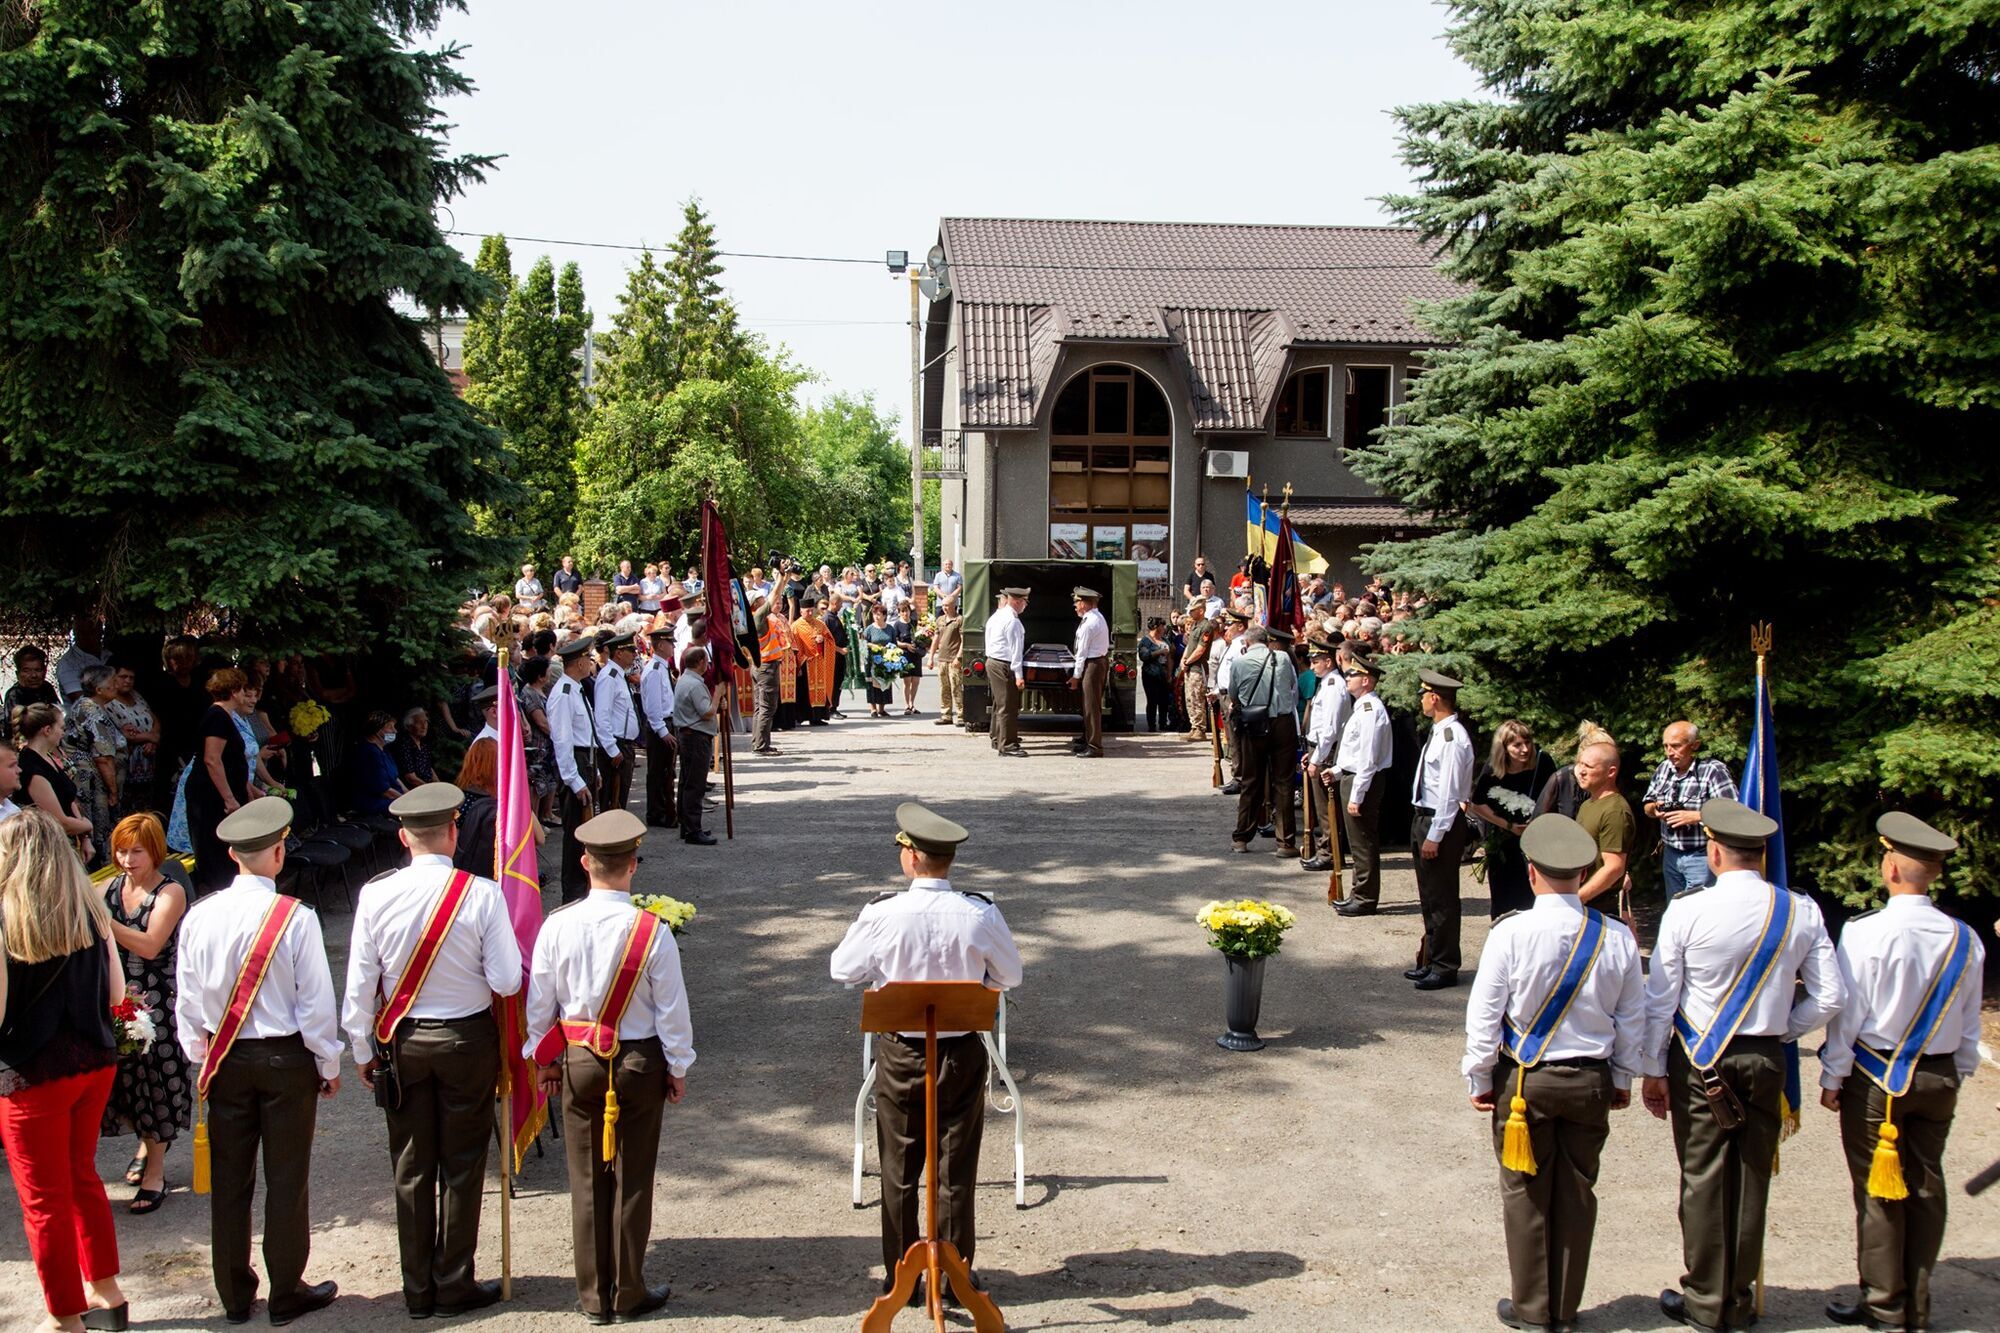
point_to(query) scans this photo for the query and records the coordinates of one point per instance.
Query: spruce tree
(1729, 352)
(706, 342)
(536, 401)
(480, 353)
(209, 404)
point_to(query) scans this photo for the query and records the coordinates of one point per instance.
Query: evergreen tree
(861, 483)
(537, 400)
(208, 402)
(633, 358)
(706, 342)
(480, 354)
(1728, 353)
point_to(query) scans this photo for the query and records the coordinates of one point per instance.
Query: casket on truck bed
(1050, 622)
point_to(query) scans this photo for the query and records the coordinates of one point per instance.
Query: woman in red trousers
(58, 1056)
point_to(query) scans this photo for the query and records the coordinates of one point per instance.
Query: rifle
(1214, 744)
(1333, 811)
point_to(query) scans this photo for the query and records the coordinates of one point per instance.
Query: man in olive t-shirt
(1607, 817)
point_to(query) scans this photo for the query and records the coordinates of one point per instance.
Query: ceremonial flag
(1262, 524)
(1760, 793)
(1282, 607)
(520, 888)
(718, 583)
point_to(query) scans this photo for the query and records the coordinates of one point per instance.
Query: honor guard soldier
(1093, 661)
(608, 1025)
(1006, 671)
(1719, 1015)
(487, 703)
(573, 735)
(929, 933)
(256, 1013)
(1359, 765)
(431, 946)
(1439, 829)
(617, 720)
(1325, 719)
(1553, 1032)
(656, 708)
(1892, 1064)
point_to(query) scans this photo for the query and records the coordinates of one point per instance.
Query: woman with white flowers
(153, 1093)
(1504, 796)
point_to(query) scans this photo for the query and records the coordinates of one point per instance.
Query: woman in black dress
(1504, 796)
(904, 627)
(876, 637)
(45, 783)
(219, 778)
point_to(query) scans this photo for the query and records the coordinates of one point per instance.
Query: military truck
(1050, 621)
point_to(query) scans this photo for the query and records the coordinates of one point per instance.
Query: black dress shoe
(1317, 863)
(1511, 1319)
(1231, 788)
(1855, 1314)
(1418, 973)
(421, 1311)
(1674, 1306)
(236, 1316)
(654, 1300)
(951, 1301)
(303, 1302)
(1014, 752)
(1437, 978)
(701, 839)
(1352, 906)
(483, 1294)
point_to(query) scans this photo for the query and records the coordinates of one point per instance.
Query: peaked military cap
(1319, 648)
(617, 641)
(575, 647)
(1014, 592)
(1905, 833)
(428, 806)
(925, 830)
(1084, 594)
(257, 824)
(1238, 617)
(1365, 663)
(1734, 824)
(1437, 680)
(488, 695)
(612, 833)
(660, 632)
(1559, 845)
(1279, 633)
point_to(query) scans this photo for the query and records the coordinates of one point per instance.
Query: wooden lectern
(955, 1006)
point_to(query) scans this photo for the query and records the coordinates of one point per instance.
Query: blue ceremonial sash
(1527, 1051)
(1893, 1073)
(1705, 1048)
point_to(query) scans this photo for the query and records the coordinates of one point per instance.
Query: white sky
(850, 128)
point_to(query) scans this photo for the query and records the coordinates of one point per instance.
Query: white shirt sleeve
(1456, 772)
(188, 1025)
(1484, 1008)
(562, 733)
(318, 1011)
(1003, 957)
(1628, 1021)
(364, 980)
(541, 1009)
(854, 958)
(1663, 994)
(670, 1007)
(1967, 1055)
(1836, 1056)
(500, 949)
(1825, 993)
(607, 740)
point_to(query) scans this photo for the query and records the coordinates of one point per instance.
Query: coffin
(1048, 664)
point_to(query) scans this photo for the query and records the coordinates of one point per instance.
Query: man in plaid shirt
(1680, 784)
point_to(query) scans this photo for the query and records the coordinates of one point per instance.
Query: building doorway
(1111, 444)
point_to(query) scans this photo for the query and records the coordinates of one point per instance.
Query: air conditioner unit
(1229, 463)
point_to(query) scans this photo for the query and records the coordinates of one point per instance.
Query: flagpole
(503, 1093)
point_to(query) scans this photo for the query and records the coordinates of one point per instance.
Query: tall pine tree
(480, 354)
(208, 401)
(1729, 353)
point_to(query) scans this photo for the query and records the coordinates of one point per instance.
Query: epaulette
(1862, 916)
(384, 875)
(980, 896)
(1506, 916)
(1448, 737)
(885, 897)
(565, 907)
(1367, 705)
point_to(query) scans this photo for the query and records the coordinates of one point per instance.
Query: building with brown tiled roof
(1105, 387)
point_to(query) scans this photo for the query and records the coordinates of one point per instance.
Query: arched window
(1302, 405)
(1110, 467)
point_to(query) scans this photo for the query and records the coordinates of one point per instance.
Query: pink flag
(520, 886)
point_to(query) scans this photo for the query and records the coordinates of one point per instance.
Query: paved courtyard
(1336, 1180)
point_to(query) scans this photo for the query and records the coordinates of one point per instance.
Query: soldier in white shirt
(285, 1056)
(436, 1074)
(1439, 829)
(1092, 666)
(932, 932)
(617, 720)
(1221, 658)
(1910, 1028)
(1331, 703)
(1553, 1030)
(1363, 756)
(577, 957)
(1006, 671)
(573, 736)
(1725, 1093)
(656, 709)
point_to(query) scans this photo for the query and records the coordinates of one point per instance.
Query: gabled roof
(1233, 299)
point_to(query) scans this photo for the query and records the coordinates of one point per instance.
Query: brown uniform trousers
(1364, 838)
(899, 1137)
(1725, 1176)
(437, 1143)
(1194, 693)
(951, 670)
(1437, 887)
(1551, 1216)
(1265, 766)
(611, 1203)
(1897, 1241)
(266, 1094)
(1091, 686)
(1005, 727)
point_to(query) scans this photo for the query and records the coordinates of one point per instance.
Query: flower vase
(1243, 997)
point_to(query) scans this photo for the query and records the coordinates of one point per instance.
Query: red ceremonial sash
(248, 982)
(601, 1037)
(418, 970)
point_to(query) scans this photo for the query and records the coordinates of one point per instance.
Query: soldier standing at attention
(617, 720)
(574, 737)
(1363, 756)
(946, 644)
(1194, 669)
(656, 708)
(255, 1011)
(1719, 1010)
(1558, 995)
(431, 947)
(1265, 690)
(1325, 719)
(1439, 829)
(929, 933)
(1093, 661)
(1006, 670)
(1910, 1028)
(608, 1025)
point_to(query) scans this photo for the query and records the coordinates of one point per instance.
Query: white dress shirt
(1887, 960)
(683, 638)
(1220, 662)
(576, 957)
(297, 994)
(930, 933)
(1331, 703)
(569, 730)
(1007, 640)
(1444, 776)
(616, 719)
(656, 694)
(1366, 746)
(1519, 967)
(479, 959)
(1093, 639)
(1705, 938)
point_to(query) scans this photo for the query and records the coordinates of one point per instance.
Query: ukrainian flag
(1262, 529)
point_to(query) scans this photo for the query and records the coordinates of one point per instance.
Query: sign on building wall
(1149, 548)
(1067, 541)
(1108, 542)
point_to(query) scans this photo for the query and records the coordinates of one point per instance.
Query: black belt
(1423, 809)
(484, 1015)
(918, 1042)
(1578, 1062)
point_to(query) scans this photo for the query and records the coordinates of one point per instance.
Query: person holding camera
(431, 946)
(1674, 797)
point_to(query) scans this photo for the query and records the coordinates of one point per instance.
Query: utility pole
(916, 433)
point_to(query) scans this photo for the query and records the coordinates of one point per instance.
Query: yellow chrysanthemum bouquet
(673, 911)
(1246, 928)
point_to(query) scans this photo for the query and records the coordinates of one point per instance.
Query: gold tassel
(610, 1121)
(201, 1182)
(1885, 1172)
(1516, 1153)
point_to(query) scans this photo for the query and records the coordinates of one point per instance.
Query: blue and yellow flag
(1261, 528)
(1760, 793)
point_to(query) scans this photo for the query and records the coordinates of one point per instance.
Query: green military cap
(1905, 833)
(617, 641)
(256, 825)
(1238, 617)
(1364, 662)
(1437, 680)
(1558, 845)
(576, 647)
(1734, 824)
(1013, 592)
(926, 831)
(612, 833)
(486, 696)
(1280, 634)
(661, 632)
(1319, 648)
(428, 806)
(1084, 594)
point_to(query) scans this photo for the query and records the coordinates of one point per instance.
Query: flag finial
(1760, 642)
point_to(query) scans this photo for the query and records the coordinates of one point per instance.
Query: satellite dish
(936, 280)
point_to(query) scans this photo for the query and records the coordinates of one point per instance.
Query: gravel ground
(1335, 1180)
